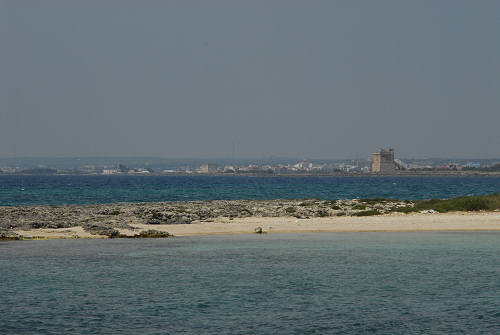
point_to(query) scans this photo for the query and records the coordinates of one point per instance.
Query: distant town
(381, 162)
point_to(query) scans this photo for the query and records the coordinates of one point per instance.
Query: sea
(95, 189)
(314, 283)
(303, 283)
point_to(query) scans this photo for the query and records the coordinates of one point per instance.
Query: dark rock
(153, 234)
(100, 229)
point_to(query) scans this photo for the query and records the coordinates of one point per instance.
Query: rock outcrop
(106, 219)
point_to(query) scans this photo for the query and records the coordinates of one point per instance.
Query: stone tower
(383, 161)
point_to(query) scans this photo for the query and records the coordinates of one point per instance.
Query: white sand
(394, 222)
(482, 221)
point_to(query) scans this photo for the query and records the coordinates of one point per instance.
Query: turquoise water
(328, 283)
(57, 190)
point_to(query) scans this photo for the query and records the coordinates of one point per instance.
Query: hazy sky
(311, 79)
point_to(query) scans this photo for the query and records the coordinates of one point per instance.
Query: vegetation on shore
(489, 202)
(369, 212)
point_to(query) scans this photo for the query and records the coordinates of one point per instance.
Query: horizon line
(235, 158)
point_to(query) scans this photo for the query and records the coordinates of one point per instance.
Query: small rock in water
(258, 230)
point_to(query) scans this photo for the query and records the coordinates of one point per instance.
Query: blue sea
(58, 190)
(327, 283)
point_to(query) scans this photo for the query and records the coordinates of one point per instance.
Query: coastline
(191, 218)
(443, 173)
(420, 222)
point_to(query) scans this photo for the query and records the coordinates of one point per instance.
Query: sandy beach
(458, 221)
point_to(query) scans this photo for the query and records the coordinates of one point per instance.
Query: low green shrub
(369, 212)
(464, 204)
(405, 209)
(156, 215)
(322, 213)
(152, 234)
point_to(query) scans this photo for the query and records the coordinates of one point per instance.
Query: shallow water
(350, 283)
(57, 190)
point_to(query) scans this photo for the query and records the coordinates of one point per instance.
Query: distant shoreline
(335, 174)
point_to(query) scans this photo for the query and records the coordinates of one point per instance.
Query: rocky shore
(148, 220)
(109, 219)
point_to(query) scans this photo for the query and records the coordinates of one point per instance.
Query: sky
(273, 78)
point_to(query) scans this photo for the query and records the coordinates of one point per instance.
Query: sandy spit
(482, 221)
